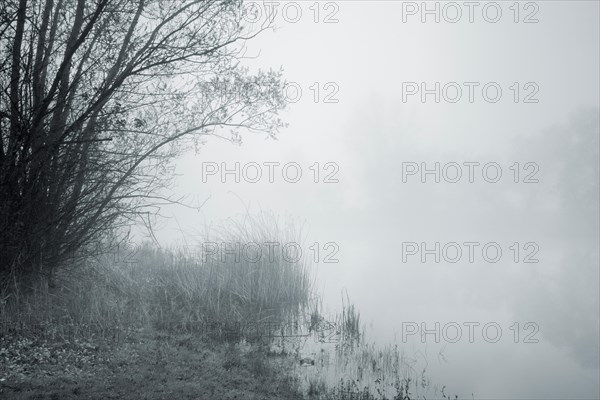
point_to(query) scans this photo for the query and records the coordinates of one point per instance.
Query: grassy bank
(132, 324)
(173, 323)
(142, 366)
(173, 290)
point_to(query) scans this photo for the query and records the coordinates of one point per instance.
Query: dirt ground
(141, 367)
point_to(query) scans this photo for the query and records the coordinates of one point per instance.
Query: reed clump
(175, 289)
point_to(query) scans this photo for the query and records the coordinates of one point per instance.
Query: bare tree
(97, 98)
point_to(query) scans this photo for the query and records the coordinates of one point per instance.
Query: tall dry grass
(171, 289)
